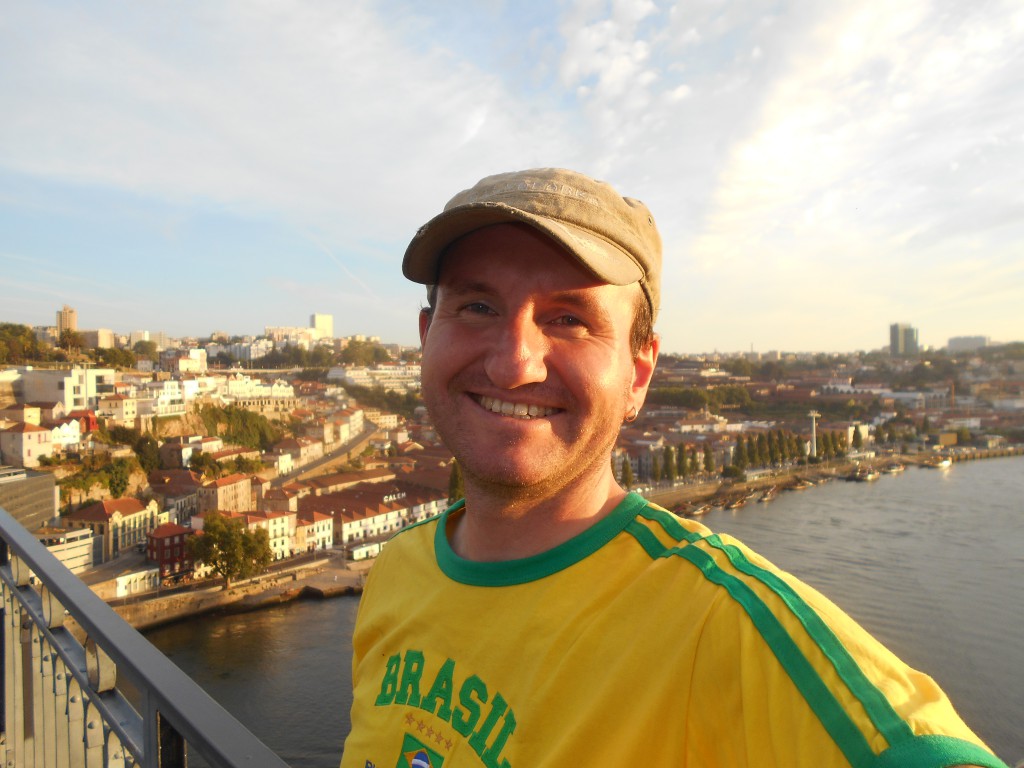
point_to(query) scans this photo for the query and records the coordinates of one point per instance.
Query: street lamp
(814, 432)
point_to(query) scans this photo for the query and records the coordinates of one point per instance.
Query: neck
(497, 526)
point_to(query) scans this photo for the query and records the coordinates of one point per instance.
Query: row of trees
(696, 398)
(19, 345)
(320, 357)
(404, 404)
(763, 449)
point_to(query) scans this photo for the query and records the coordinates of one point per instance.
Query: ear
(425, 316)
(643, 371)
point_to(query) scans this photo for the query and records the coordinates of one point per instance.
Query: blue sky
(818, 170)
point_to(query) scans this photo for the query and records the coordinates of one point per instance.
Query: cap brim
(596, 255)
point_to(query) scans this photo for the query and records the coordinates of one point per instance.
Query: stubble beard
(501, 479)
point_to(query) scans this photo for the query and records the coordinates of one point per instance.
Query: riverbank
(321, 579)
(697, 497)
(334, 577)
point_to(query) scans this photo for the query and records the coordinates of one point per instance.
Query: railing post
(57, 736)
(76, 725)
(173, 750)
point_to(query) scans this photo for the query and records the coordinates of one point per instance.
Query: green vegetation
(204, 464)
(115, 358)
(228, 547)
(391, 402)
(668, 459)
(456, 484)
(240, 427)
(18, 345)
(714, 399)
(355, 353)
(626, 478)
(110, 474)
(71, 341)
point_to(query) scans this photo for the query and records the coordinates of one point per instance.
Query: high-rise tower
(67, 320)
(903, 340)
(323, 324)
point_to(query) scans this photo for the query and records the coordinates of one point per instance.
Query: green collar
(508, 572)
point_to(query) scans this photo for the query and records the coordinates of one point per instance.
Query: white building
(76, 389)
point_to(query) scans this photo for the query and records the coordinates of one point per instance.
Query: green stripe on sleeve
(936, 752)
(826, 707)
(878, 708)
(670, 524)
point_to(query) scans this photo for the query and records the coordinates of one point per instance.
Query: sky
(818, 171)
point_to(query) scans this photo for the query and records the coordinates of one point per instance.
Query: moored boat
(863, 474)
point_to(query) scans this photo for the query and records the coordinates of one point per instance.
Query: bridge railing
(61, 704)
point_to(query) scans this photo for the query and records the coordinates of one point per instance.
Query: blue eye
(570, 320)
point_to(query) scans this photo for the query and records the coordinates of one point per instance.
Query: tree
(117, 477)
(148, 452)
(227, 546)
(204, 464)
(656, 468)
(858, 440)
(739, 366)
(669, 461)
(71, 341)
(709, 458)
(456, 485)
(775, 446)
(147, 350)
(112, 357)
(18, 344)
(798, 447)
(739, 454)
(627, 473)
(763, 455)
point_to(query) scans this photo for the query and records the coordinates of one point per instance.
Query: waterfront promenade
(329, 575)
(326, 576)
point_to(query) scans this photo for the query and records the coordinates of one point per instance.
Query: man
(551, 618)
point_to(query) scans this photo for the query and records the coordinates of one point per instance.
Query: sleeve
(793, 681)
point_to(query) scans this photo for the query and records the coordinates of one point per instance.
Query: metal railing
(61, 705)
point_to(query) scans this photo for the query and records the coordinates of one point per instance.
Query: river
(930, 561)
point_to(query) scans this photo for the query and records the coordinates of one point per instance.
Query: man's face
(527, 370)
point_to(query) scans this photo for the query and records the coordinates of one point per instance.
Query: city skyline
(818, 173)
(321, 327)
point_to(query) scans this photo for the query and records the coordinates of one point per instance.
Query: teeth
(518, 410)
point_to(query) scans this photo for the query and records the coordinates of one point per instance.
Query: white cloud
(853, 147)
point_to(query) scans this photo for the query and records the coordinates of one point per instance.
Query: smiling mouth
(515, 410)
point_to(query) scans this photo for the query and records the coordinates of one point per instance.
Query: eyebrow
(576, 298)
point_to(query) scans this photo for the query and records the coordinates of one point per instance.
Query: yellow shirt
(646, 640)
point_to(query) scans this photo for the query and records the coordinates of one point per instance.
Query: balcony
(61, 703)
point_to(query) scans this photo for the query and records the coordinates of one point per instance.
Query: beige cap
(613, 237)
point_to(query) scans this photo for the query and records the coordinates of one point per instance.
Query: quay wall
(327, 579)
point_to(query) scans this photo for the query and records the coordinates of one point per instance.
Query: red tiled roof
(167, 530)
(229, 480)
(102, 511)
(26, 427)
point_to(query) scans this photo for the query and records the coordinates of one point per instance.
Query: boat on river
(863, 473)
(894, 467)
(942, 462)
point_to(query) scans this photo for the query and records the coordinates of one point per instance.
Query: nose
(518, 355)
